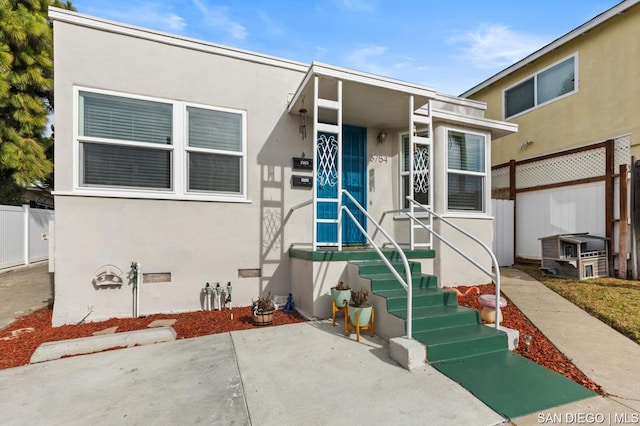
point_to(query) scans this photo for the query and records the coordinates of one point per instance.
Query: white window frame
(536, 105)
(179, 148)
(485, 183)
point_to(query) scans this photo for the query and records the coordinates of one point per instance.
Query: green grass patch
(613, 301)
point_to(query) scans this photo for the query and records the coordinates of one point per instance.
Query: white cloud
(496, 46)
(369, 59)
(218, 17)
(271, 26)
(358, 5)
(152, 15)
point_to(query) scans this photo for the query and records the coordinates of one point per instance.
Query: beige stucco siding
(605, 106)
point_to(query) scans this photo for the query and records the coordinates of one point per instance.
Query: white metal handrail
(304, 203)
(406, 284)
(495, 277)
(291, 210)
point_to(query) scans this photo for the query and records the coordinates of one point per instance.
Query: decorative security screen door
(354, 166)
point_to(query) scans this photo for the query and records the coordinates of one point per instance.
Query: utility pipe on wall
(218, 297)
(207, 291)
(137, 281)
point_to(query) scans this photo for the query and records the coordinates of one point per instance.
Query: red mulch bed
(36, 329)
(541, 350)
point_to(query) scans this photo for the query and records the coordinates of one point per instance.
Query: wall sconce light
(382, 136)
(529, 142)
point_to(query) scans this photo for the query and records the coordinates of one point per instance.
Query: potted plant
(360, 304)
(360, 313)
(263, 309)
(341, 294)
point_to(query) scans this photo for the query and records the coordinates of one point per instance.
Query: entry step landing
(354, 254)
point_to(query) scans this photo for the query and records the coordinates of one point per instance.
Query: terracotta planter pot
(263, 317)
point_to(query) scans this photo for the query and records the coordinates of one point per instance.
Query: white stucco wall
(195, 241)
(451, 268)
(205, 241)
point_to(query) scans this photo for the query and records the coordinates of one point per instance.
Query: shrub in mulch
(541, 350)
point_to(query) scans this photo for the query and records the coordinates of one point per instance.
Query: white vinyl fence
(503, 214)
(22, 233)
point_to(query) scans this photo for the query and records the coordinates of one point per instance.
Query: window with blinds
(125, 142)
(466, 171)
(214, 147)
(550, 84)
(128, 142)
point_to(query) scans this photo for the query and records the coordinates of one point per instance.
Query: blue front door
(354, 166)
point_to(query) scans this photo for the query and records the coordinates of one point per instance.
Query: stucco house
(575, 102)
(205, 163)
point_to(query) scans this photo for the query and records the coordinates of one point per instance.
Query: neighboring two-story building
(576, 102)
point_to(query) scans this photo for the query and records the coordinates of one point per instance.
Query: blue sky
(450, 45)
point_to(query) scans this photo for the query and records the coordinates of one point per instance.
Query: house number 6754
(376, 158)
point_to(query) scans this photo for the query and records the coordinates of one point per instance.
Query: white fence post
(25, 233)
(503, 228)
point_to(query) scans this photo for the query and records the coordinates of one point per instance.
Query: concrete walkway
(606, 356)
(298, 374)
(24, 289)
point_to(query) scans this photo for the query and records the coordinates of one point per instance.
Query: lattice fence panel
(500, 178)
(580, 165)
(621, 151)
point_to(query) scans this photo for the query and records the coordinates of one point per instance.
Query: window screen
(519, 98)
(125, 166)
(556, 81)
(214, 131)
(213, 172)
(125, 119)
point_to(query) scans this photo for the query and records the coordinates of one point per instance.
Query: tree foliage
(26, 89)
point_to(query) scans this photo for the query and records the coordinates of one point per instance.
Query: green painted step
(386, 281)
(462, 341)
(512, 385)
(429, 318)
(379, 267)
(355, 253)
(397, 298)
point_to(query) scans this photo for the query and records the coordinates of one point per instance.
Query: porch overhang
(368, 100)
(497, 128)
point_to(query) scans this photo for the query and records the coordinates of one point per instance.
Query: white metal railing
(406, 284)
(495, 277)
(291, 210)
